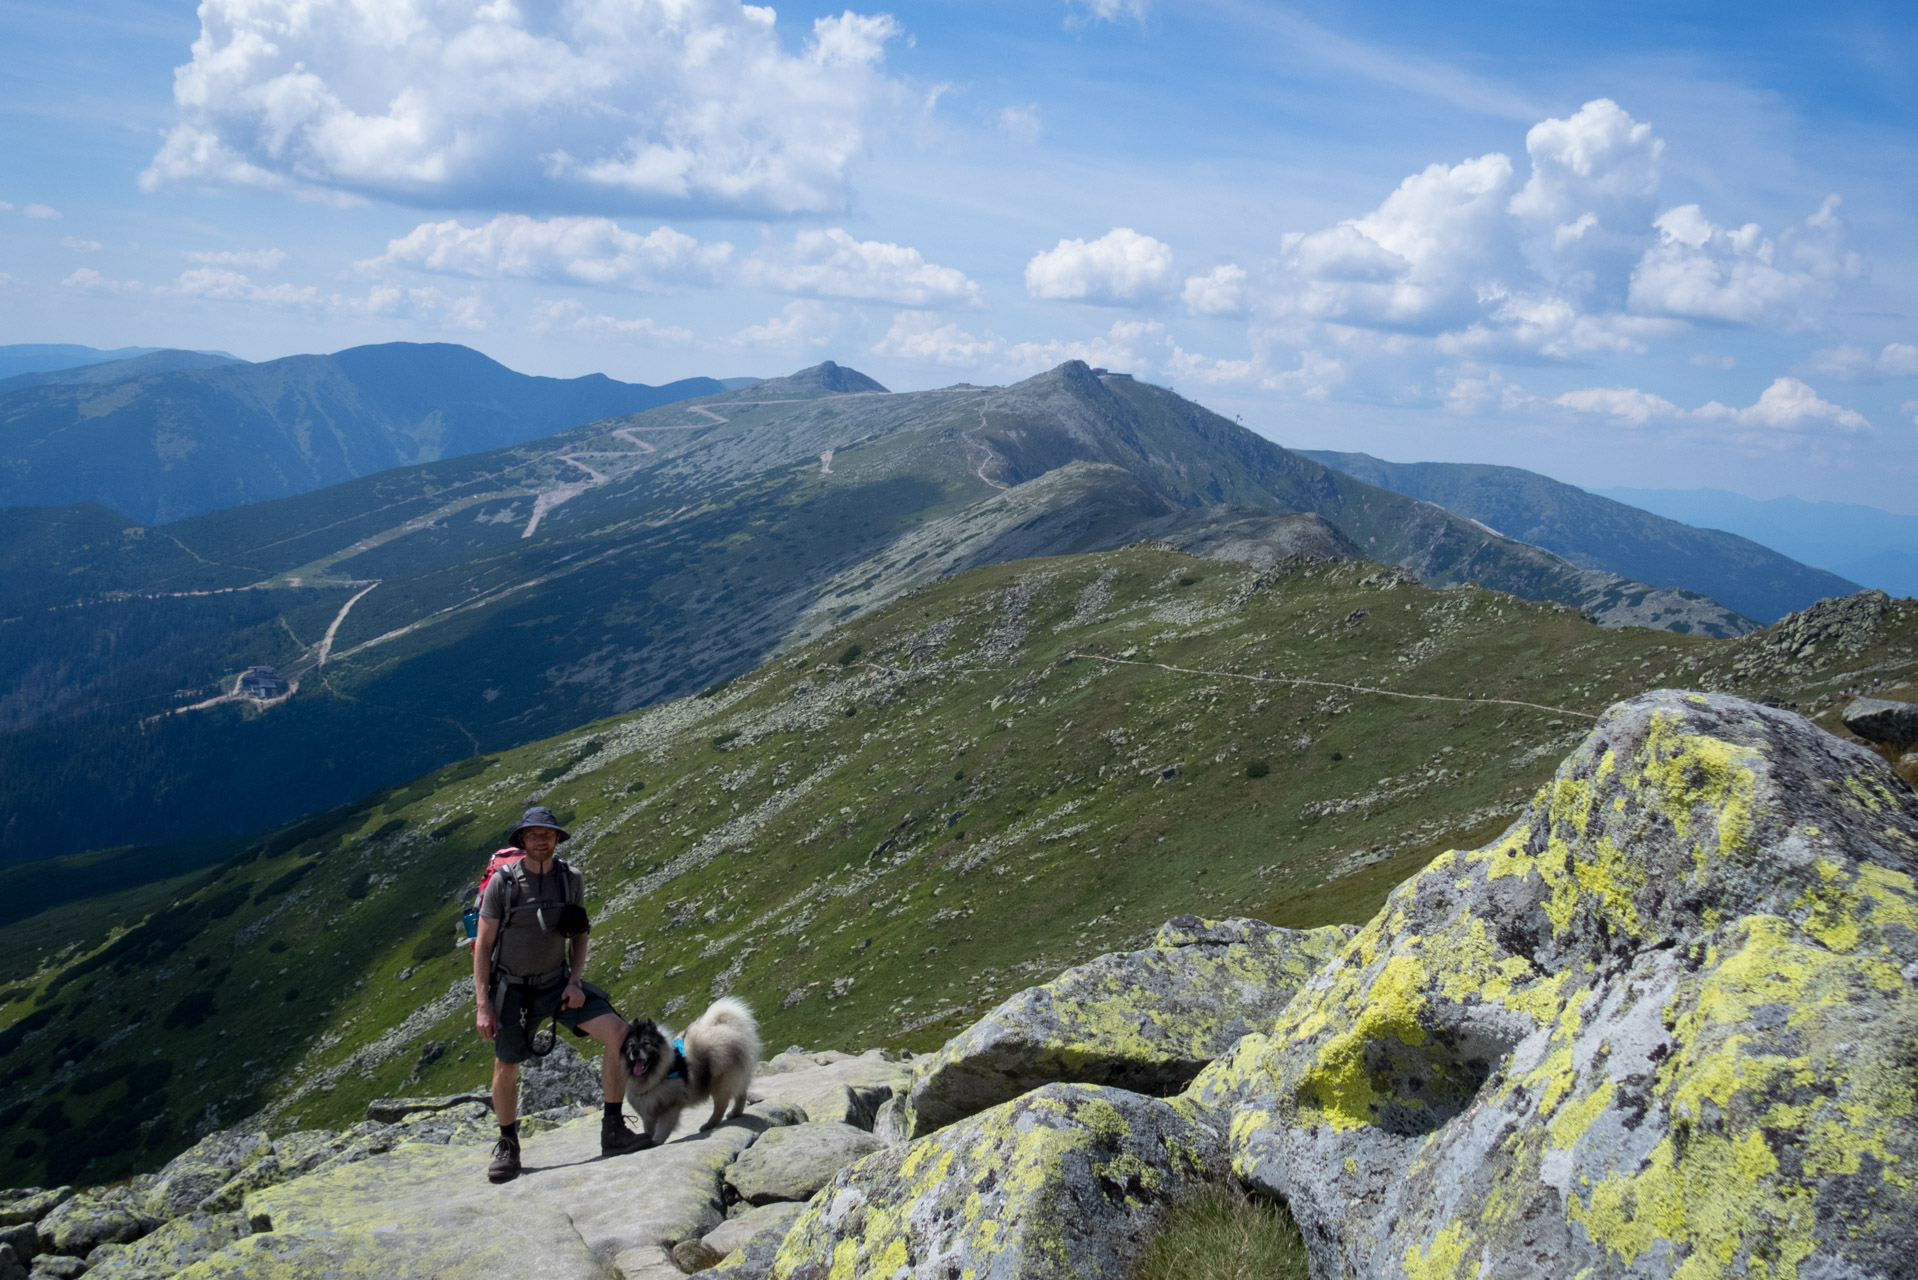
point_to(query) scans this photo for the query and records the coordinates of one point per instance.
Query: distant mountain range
(39, 357)
(163, 434)
(1865, 544)
(1598, 532)
(466, 605)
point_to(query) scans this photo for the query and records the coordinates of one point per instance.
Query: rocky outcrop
(792, 1163)
(1663, 1027)
(1882, 720)
(1145, 1020)
(1069, 1180)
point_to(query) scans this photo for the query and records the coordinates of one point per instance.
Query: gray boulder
(394, 1110)
(172, 1248)
(23, 1239)
(830, 1087)
(792, 1163)
(112, 1215)
(52, 1266)
(12, 1265)
(1068, 1181)
(203, 1169)
(1147, 1021)
(1663, 1027)
(563, 1078)
(30, 1204)
(767, 1222)
(1883, 720)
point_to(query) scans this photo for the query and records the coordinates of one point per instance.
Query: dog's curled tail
(723, 1045)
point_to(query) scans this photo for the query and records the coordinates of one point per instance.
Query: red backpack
(469, 922)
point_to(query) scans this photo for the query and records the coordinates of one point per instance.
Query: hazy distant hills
(164, 434)
(474, 603)
(1869, 546)
(38, 357)
(1600, 533)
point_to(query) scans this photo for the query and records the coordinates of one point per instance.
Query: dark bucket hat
(538, 816)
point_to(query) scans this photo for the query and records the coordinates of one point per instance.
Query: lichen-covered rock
(53, 1266)
(1067, 1181)
(1883, 720)
(792, 1163)
(1663, 1027)
(12, 1265)
(1146, 1020)
(831, 1087)
(77, 1226)
(173, 1248)
(30, 1204)
(204, 1168)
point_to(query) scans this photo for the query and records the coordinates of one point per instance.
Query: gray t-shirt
(526, 949)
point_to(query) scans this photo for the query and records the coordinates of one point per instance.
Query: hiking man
(529, 962)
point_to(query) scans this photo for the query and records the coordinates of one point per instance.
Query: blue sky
(1651, 245)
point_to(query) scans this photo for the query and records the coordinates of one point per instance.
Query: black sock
(510, 1131)
(613, 1110)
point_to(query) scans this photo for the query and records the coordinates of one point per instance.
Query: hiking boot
(505, 1166)
(615, 1139)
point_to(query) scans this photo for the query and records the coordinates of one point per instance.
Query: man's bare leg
(505, 1092)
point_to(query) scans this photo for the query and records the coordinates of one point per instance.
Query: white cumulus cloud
(1119, 267)
(589, 107)
(832, 264)
(1788, 409)
(574, 250)
(1701, 271)
(78, 245)
(925, 337)
(45, 213)
(1222, 291)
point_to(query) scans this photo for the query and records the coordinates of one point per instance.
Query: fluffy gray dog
(715, 1060)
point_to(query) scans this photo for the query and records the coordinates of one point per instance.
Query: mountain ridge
(471, 604)
(168, 435)
(1594, 531)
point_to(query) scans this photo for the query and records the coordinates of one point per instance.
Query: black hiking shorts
(510, 1001)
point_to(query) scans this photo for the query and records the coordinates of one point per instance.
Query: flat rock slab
(1662, 1028)
(1148, 1020)
(792, 1163)
(1067, 1181)
(831, 1087)
(30, 1204)
(428, 1211)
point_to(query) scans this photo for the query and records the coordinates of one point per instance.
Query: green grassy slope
(875, 838)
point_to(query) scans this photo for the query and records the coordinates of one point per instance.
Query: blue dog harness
(679, 1060)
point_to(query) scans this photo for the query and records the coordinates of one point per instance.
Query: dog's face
(643, 1047)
